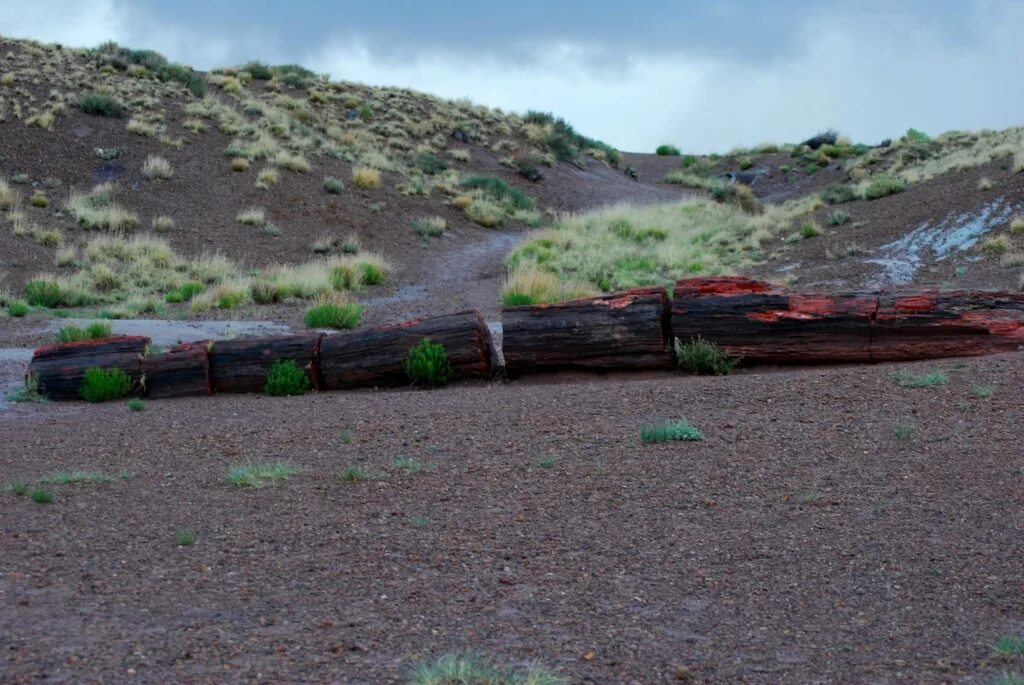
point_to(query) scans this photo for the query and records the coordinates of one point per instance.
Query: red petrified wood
(622, 331)
(60, 368)
(763, 323)
(181, 371)
(376, 356)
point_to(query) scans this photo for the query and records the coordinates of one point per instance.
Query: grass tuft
(40, 496)
(251, 475)
(427, 364)
(74, 477)
(457, 669)
(669, 430)
(333, 311)
(909, 380)
(286, 379)
(703, 356)
(101, 385)
(184, 538)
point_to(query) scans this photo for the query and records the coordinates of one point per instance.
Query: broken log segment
(60, 368)
(605, 333)
(764, 323)
(242, 365)
(376, 356)
(182, 371)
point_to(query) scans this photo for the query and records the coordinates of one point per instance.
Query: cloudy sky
(706, 75)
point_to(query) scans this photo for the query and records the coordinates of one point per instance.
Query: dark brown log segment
(763, 323)
(610, 332)
(242, 365)
(60, 368)
(181, 371)
(376, 356)
(948, 323)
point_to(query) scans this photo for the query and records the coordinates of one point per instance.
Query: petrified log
(763, 323)
(376, 356)
(60, 368)
(242, 365)
(949, 323)
(181, 371)
(609, 332)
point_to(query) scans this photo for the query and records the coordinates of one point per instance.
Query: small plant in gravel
(419, 521)
(353, 474)
(17, 309)
(345, 437)
(366, 178)
(430, 227)
(809, 229)
(93, 331)
(333, 311)
(43, 293)
(100, 104)
(40, 496)
(837, 218)
(882, 186)
(458, 669)
(547, 462)
(333, 185)
(427, 364)
(909, 380)
(703, 356)
(1008, 678)
(809, 496)
(101, 385)
(28, 392)
(981, 391)
(411, 465)
(257, 475)
(903, 432)
(157, 168)
(838, 193)
(1008, 646)
(135, 404)
(286, 378)
(184, 538)
(669, 430)
(255, 216)
(73, 477)
(17, 489)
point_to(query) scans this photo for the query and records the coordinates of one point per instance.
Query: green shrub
(254, 475)
(94, 331)
(499, 190)
(135, 404)
(909, 380)
(669, 430)
(372, 274)
(43, 293)
(101, 385)
(882, 186)
(184, 292)
(517, 299)
(40, 496)
(745, 163)
(258, 70)
(184, 537)
(286, 378)
(334, 315)
(667, 151)
(915, 136)
(703, 356)
(837, 218)
(838, 193)
(17, 489)
(100, 104)
(427, 364)
(429, 163)
(17, 308)
(333, 185)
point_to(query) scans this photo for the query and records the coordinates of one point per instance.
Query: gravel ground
(801, 541)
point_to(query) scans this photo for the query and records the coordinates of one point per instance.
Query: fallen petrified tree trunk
(762, 323)
(59, 368)
(376, 356)
(242, 365)
(622, 331)
(181, 371)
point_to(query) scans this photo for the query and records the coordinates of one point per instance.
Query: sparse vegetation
(455, 669)
(28, 392)
(838, 193)
(102, 385)
(251, 475)
(255, 216)
(184, 538)
(910, 380)
(427, 364)
(94, 330)
(430, 227)
(410, 465)
(156, 167)
(136, 405)
(333, 186)
(40, 496)
(703, 356)
(883, 186)
(837, 217)
(366, 178)
(1008, 647)
(100, 104)
(669, 430)
(76, 477)
(286, 378)
(17, 489)
(97, 209)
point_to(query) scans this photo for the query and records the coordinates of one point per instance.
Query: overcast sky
(705, 75)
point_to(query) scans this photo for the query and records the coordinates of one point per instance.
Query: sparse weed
(411, 465)
(430, 227)
(903, 432)
(251, 475)
(156, 167)
(909, 380)
(1008, 646)
(75, 477)
(17, 489)
(333, 185)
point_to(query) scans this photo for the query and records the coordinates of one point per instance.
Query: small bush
(156, 167)
(838, 193)
(427, 364)
(499, 190)
(333, 185)
(40, 496)
(372, 273)
(43, 293)
(286, 378)
(702, 356)
(94, 331)
(996, 245)
(837, 218)
(136, 405)
(430, 227)
(17, 309)
(255, 475)
(17, 489)
(101, 385)
(38, 199)
(255, 216)
(745, 164)
(667, 151)
(334, 314)
(240, 164)
(366, 178)
(882, 186)
(909, 380)
(162, 223)
(809, 229)
(184, 537)
(669, 430)
(100, 104)
(429, 163)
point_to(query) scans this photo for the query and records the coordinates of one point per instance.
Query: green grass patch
(909, 380)
(903, 432)
(499, 190)
(184, 538)
(838, 193)
(17, 489)
(257, 475)
(703, 356)
(882, 186)
(73, 477)
(411, 465)
(40, 496)
(340, 315)
(136, 405)
(100, 104)
(1008, 647)
(427, 364)
(17, 309)
(669, 430)
(333, 186)
(456, 669)
(286, 378)
(93, 331)
(667, 151)
(43, 293)
(102, 385)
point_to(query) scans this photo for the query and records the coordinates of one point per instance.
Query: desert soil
(800, 542)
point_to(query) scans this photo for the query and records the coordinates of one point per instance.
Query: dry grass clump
(266, 178)
(626, 246)
(97, 209)
(460, 154)
(366, 178)
(162, 223)
(39, 199)
(292, 162)
(240, 164)
(528, 284)
(317, 277)
(140, 127)
(8, 196)
(156, 167)
(254, 216)
(918, 159)
(43, 120)
(1017, 225)
(996, 245)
